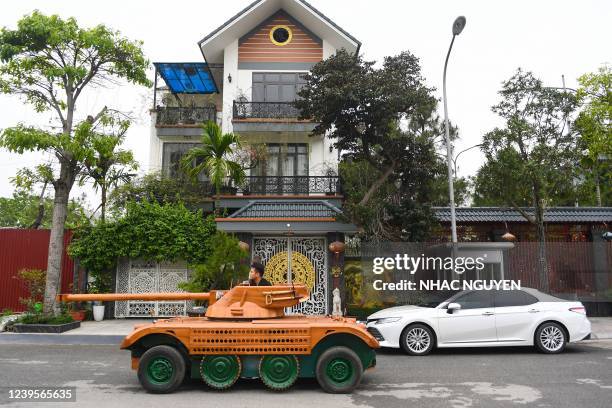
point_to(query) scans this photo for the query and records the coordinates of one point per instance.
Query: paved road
(509, 377)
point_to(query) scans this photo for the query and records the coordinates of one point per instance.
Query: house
(288, 210)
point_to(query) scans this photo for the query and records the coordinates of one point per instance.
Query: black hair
(258, 267)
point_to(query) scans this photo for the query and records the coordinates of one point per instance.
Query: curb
(601, 336)
(63, 339)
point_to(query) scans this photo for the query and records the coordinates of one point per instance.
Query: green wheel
(279, 372)
(161, 369)
(339, 370)
(220, 372)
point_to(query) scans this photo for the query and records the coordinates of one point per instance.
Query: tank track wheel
(220, 371)
(279, 372)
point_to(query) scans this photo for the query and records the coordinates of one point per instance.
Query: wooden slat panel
(258, 47)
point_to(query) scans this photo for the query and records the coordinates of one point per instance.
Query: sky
(550, 38)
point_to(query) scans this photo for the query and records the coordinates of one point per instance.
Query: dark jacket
(264, 282)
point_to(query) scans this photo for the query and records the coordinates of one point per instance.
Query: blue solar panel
(187, 78)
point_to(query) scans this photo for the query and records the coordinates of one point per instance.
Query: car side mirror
(452, 307)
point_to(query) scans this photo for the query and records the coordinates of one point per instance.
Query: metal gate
(135, 276)
(306, 257)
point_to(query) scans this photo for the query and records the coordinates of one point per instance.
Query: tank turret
(245, 334)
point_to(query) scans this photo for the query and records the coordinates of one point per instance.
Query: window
(281, 35)
(171, 160)
(277, 87)
(506, 298)
(284, 160)
(476, 299)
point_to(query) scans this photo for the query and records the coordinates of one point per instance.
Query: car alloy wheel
(417, 340)
(552, 338)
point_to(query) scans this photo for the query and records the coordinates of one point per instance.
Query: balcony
(184, 116)
(290, 185)
(265, 110)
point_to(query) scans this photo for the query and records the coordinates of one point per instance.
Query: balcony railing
(265, 110)
(290, 185)
(185, 115)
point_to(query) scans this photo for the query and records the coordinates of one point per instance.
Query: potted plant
(99, 284)
(77, 314)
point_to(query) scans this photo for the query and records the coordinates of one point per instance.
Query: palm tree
(214, 157)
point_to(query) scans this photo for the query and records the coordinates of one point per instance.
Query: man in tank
(256, 275)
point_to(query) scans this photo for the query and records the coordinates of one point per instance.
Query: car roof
(541, 296)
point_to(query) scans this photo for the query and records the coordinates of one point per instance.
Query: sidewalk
(112, 332)
(601, 328)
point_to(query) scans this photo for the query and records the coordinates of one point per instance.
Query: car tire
(161, 370)
(417, 340)
(339, 370)
(550, 338)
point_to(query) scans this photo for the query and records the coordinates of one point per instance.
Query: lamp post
(458, 26)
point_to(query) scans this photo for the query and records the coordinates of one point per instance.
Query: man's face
(253, 274)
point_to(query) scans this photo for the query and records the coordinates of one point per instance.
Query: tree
(22, 210)
(225, 265)
(214, 157)
(384, 123)
(26, 179)
(49, 62)
(595, 126)
(534, 154)
(108, 166)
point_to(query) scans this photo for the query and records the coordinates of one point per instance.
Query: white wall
(230, 67)
(155, 146)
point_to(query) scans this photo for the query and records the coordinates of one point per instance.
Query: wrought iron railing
(298, 185)
(185, 115)
(265, 110)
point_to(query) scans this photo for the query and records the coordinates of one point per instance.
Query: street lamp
(458, 26)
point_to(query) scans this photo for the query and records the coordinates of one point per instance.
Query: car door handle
(533, 310)
(488, 314)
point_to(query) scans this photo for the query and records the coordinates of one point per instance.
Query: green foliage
(38, 318)
(384, 122)
(21, 211)
(594, 123)
(531, 161)
(108, 165)
(213, 157)
(57, 53)
(148, 230)
(163, 190)
(225, 266)
(34, 281)
(6, 312)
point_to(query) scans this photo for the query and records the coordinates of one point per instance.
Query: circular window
(281, 35)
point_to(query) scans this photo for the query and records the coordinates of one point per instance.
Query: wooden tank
(246, 334)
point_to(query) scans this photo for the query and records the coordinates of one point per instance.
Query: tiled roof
(287, 209)
(501, 214)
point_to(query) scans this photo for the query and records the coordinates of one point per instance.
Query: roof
(287, 209)
(504, 214)
(212, 45)
(187, 77)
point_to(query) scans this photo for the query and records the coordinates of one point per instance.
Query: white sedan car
(483, 318)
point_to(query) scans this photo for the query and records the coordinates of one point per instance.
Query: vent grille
(250, 341)
(374, 332)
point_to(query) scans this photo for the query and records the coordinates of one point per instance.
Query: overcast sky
(550, 38)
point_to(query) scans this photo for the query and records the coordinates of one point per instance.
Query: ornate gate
(307, 258)
(135, 276)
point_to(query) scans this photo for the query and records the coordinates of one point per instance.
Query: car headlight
(388, 320)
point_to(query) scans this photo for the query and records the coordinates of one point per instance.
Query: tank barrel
(84, 297)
